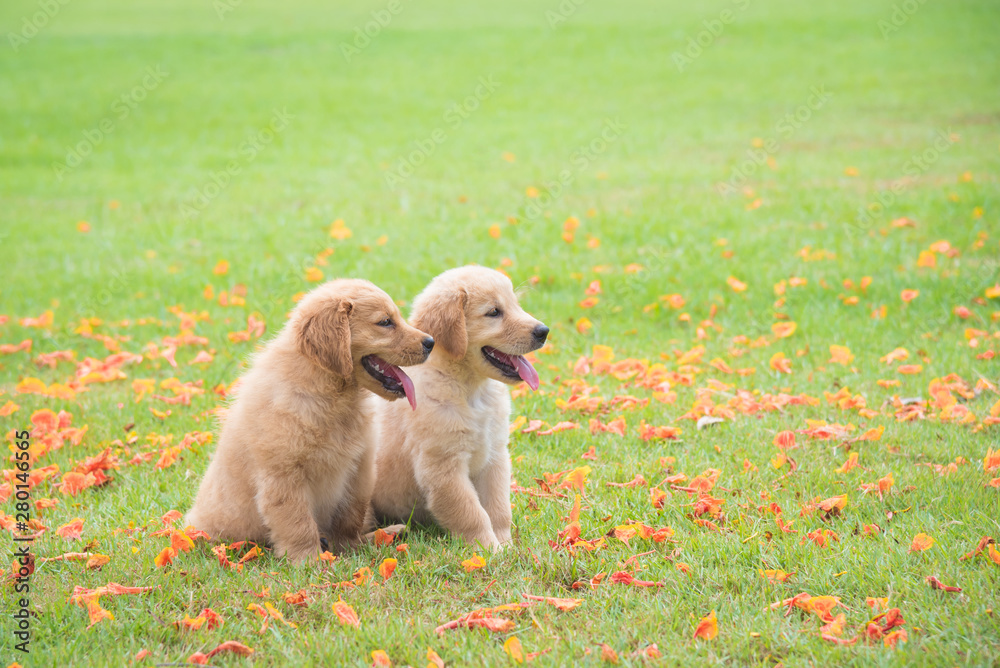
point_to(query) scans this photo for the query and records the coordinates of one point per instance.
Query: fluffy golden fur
(447, 461)
(295, 458)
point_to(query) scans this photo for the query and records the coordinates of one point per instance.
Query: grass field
(732, 166)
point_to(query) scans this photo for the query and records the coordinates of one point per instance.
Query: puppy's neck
(460, 371)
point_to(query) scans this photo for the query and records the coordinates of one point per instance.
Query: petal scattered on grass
(707, 628)
(921, 542)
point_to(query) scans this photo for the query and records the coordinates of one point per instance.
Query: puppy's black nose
(540, 332)
(428, 345)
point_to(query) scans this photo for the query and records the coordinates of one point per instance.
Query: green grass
(651, 196)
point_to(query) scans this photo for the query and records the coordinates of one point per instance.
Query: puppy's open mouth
(392, 378)
(512, 366)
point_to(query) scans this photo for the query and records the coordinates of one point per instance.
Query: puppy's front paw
(502, 546)
(486, 541)
(298, 554)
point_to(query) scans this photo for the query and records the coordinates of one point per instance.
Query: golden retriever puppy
(295, 459)
(447, 461)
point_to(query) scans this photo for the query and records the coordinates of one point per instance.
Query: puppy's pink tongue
(525, 370)
(405, 381)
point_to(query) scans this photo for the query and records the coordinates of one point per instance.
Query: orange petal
(563, 604)
(784, 440)
(921, 542)
(474, 563)
(783, 330)
(386, 568)
(345, 613)
(708, 627)
(736, 284)
(180, 542)
(71, 530)
(97, 561)
(165, 557)
(840, 355)
(514, 650)
(96, 612)
(231, 646)
(608, 655)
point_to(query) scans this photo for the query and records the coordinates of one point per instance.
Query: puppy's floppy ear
(325, 337)
(443, 317)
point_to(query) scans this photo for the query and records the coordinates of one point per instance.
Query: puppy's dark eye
(385, 323)
(494, 313)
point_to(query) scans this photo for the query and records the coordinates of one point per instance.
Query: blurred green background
(241, 131)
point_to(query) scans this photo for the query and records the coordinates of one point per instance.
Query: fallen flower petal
(623, 577)
(233, 647)
(71, 530)
(97, 561)
(514, 650)
(563, 604)
(708, 627)
(921, 542)
(346, 614)
(165, 557)
(475, 562)
(96, 612)
(386, 568)
(608, 655)
(937, 584)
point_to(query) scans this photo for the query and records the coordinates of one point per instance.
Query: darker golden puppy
(447, 461)
(295, 456)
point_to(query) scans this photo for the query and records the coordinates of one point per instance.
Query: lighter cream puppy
(295, 458)
(447, 461)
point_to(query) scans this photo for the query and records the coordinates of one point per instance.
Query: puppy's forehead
(363, 295)
(496, 289)
(373, 302)
(504, 299)
(479, 283)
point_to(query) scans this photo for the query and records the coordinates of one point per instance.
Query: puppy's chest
(486, 431)
(332, 468)
(346, 444)
(340, 448)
